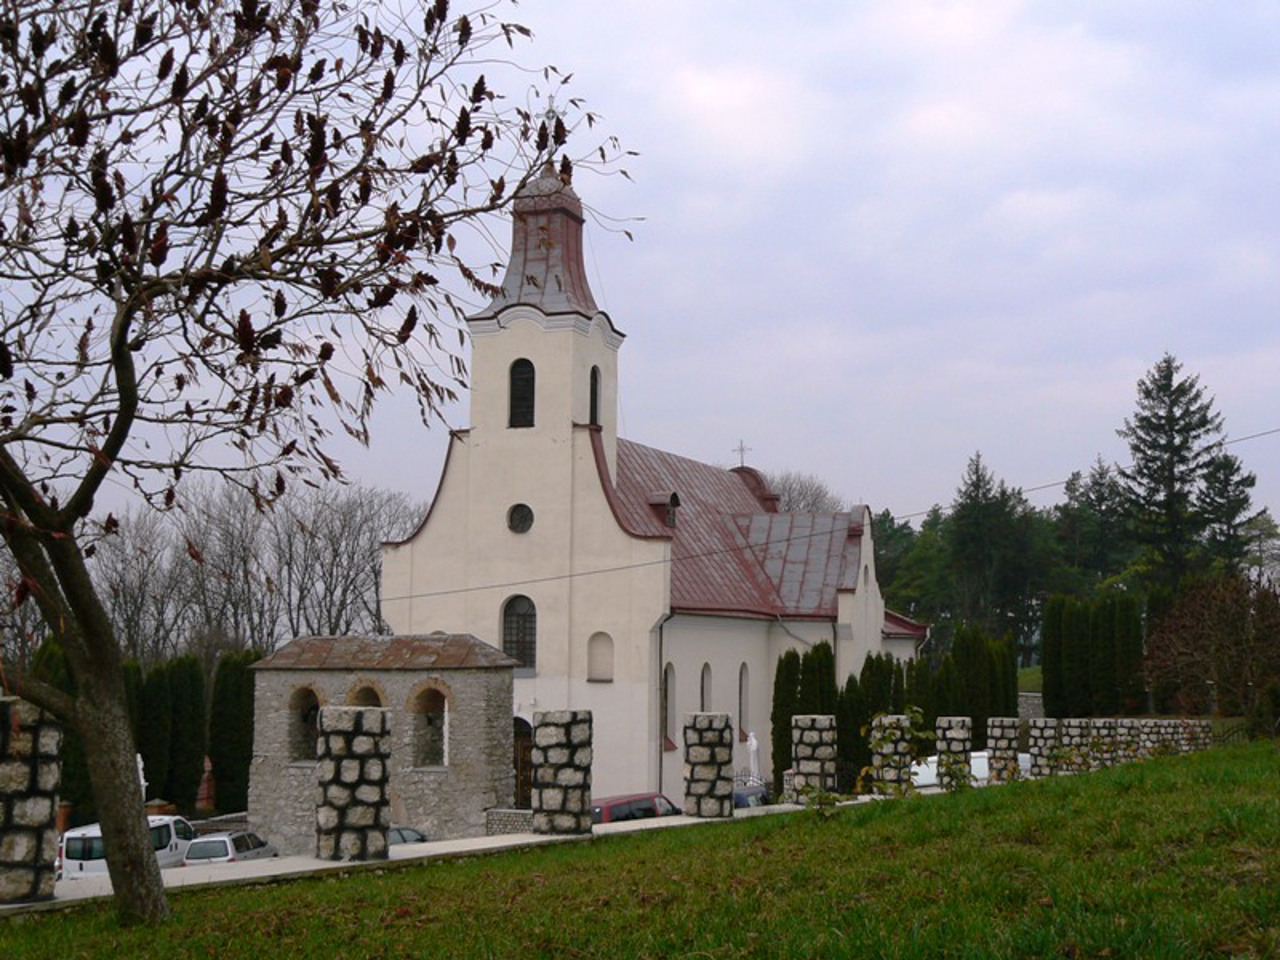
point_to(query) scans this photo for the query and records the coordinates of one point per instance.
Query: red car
(632, 806)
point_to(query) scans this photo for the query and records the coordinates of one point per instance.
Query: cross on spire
(742, 450)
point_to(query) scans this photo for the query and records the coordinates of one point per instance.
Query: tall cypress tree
(786, 695)
(1051, 656)
(154, 733)
(187, 732)
(1131, 685)
(1076, 675)
(818, 690)
(231, 730)
(972, 661)
(1103, 687)
(853, 748)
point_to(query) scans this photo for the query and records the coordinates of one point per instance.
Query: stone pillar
(708, 765)
(954, 744)
(890, 754)
(813, 754)
(30, 774)
(1043, 746)
(1128, 740)
(1002, 749)
(1074, 755)
(1206, 734)
(354, 810)
(1102, 742)
(562, 771)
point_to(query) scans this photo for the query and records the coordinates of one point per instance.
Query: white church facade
(625, 580)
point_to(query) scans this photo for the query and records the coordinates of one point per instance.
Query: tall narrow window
(705, 696)
(595, 397)
(430, 719)
(304, 709)
(742, 702)
(520, 631)
(522, 384)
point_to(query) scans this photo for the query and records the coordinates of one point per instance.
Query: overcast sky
(879, 237)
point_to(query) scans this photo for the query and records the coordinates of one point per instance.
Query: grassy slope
(1177, 857)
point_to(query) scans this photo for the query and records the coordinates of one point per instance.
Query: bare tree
(137, 573)
(327, 548)
(225, 227)
(804, 493)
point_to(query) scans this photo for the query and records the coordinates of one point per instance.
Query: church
(623, 579)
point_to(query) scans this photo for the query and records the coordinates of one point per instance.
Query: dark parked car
(405, 835)
(632, 806)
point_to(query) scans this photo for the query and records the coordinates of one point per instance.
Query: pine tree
(231, 730)
(786, 695)
(1170, 443)
(1225, 504)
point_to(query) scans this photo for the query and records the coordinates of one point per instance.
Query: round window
(520, 518)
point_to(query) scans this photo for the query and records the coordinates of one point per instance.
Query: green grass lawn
(1169, 858)
(1030, 680)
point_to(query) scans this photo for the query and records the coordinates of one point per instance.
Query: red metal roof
(897, 625)
(432, 651)
(731, 552)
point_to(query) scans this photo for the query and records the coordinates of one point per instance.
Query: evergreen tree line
(1092, 657)
(977, 678)
(1177, 514)
(174, 726)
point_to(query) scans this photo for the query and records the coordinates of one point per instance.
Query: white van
(80, 851)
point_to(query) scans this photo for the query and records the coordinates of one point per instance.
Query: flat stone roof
(430, 651)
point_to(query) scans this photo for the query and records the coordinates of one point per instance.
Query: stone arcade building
(449, 701)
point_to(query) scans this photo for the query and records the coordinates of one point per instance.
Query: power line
(624, 567)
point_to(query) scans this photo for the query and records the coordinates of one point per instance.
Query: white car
(925, 773)
(228, 848)
(80, 851)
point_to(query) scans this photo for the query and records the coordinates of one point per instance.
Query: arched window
(522, 384)
(600, 658)
(365, 696)
(704, 696)
(520, 631)
(595, 397)
(742, 702)
(304, 728)
(430, 728)
(667, 708)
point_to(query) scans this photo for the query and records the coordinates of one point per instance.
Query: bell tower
(544, 356)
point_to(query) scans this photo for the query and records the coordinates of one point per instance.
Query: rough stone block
(580, 733)
(549, 736)
(351, 844)
(32, 812)
(326, 819)
(361, 816)
(19, 846)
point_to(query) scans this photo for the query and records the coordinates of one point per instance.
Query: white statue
(142, 775)
(753, 757)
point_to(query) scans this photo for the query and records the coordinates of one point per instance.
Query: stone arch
(366, 693)
(600, 658)
(428, 710)
(304, 724)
